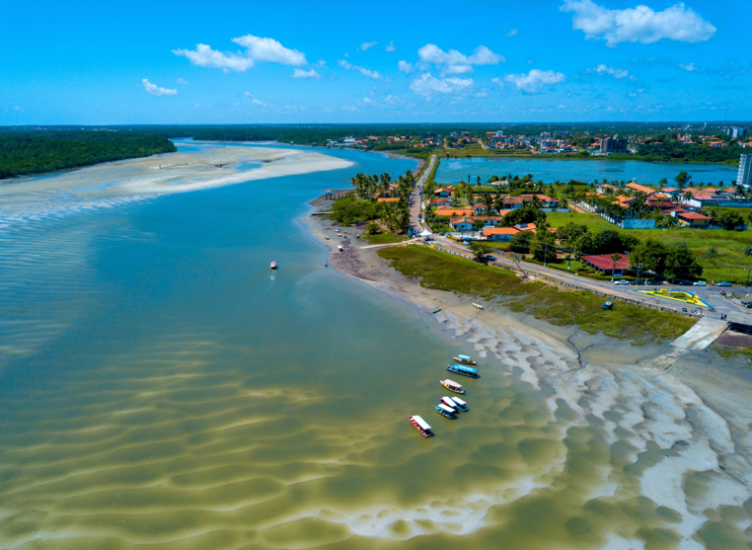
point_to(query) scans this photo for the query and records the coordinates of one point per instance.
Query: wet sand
(692, 421)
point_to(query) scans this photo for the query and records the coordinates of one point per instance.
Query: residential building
(462, 223)
(693, 219)
(637, 188)
(451, 211)
(499, 234)
(613, 145)
(606, 265)
(744, 176)
(736, 132)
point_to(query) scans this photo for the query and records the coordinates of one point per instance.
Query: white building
(744, 177)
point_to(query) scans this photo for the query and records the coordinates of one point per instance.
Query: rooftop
(604, 261)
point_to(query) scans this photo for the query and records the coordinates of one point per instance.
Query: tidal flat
(162, 389)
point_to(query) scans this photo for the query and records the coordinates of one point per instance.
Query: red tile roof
(693, 216)
(388, 199)
(604, 261)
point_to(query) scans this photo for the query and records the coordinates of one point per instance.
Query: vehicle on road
(700, 283)
(621, 283)
(654, 282)
(723, 283)
(490, 257)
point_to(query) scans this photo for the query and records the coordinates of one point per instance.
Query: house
(446, 201)
(500, 234)
(443, 191)
(462, 223)
(451, 211)
(644, 189)
(513, 203)
(604, 264)
(693, 219)
(388, 199)
(491, 221)
(546, 202)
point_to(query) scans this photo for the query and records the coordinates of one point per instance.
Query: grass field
(719, 252)
(445, 272)
(384, 238)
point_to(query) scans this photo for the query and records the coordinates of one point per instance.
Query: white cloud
(512, 33)
(390, 47)
(497, 80)
(268, 49)
(158, 91)
(248, 94)
(458, 69)
(482, 93)
(531, 82)
(204, 56)
(365, 72)
(431, 53)
(182, 81)
(616, 73)
(258, 102)
(365, 45)
(691, 67)
(300, 73)
(393, 100)
(257, 49)
(405, 67)
(427, 85)
(640, 24)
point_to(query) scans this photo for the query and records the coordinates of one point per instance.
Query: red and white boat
(273, 265)
(420, 425)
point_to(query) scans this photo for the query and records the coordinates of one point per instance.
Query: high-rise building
(613, 145)
(736, 132)
(744, 177)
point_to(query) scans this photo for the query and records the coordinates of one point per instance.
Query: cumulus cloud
(365, 72)
(365, 45)
(531, 82)
(616, 73)
(155, 90)
(248, 94)
(497, 80)
(691, 67)
(458, 69)
(182, 81)
(257, 49)
(258, 102)
(405, 67)
(427, 85)
(640, 24)
(431, 53)
(390, 47)
(300, 73)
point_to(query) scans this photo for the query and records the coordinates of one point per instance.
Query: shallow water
(551, 170)
(161, 388)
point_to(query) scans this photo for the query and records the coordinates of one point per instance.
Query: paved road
(417, 196)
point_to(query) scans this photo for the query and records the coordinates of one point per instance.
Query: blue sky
(328, 61)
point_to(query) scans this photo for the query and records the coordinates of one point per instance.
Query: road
(416, 198)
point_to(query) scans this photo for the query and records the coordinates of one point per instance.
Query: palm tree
(536, 202)
(615, 258)
(488, 201)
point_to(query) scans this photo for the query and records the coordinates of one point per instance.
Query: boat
(443, 410)
(608, 305)
(339, 247)
(461, 405)
(436, 310)
(327, 238)
(449, 402)
(465, 360)
(451, 385)
(477, 305)
(273, 265)
(463, 370)
(420, 425)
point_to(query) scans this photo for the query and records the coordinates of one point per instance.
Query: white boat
(339, 247)
(477, 305)
(273, 265)
(449, 402)
(461, 405)
(421, 425)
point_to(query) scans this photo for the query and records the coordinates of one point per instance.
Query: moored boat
(451, 385)
(443, 410)
(477, 305)
(436, 310)
(273, 265)
(461, 405)
(465, 360)
(420, 425)
(449, 402)
(463, 370)
(339, 247)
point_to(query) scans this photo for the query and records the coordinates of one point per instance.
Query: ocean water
(160, 388)
(551, 170)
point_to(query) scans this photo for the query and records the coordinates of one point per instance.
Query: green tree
(681, 263)
(543, 245)
(372, 229)
(480, 250)
(478, 225)
(730, 220)
(571, 232)
(651, 254)
(609, 241)
(587, 243)
(521, 242)
(615, 258)
(682, 179)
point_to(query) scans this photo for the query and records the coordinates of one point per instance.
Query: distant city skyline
(343, 62)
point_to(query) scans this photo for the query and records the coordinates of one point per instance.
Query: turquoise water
(160, 388)
(551, 170)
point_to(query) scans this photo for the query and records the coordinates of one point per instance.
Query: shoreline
(700, 419)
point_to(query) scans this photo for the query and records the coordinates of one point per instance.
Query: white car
(700, 283)
(621, 283)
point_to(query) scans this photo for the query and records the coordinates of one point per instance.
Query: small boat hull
(477, 305)
(273, 265)
(471, 363)
(436, 310)
(445, 413)
(452, 388)
(451, 368)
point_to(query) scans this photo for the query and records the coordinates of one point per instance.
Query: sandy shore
(113, 183)
(696, 416)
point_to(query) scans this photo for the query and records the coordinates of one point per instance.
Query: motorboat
(436, 310)
(461, 405)
(273, 265)
(463, 370)
(477, 305)
(449, 402)
(465, 360)
(339, 247)
(420, 425)
(448, 412)
(451, 385)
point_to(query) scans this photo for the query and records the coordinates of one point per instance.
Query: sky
(287, 61)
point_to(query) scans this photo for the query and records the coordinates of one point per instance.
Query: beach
(692, 420)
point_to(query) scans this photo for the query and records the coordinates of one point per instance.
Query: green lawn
(593, 221)
(445, 272)
(384, 238)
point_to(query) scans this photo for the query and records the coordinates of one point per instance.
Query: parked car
(638, 282)
(723, 283)
(490, 257)
(654, 282)
(700, 283)
(621, 283)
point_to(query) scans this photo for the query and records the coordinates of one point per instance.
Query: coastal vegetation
(583, 309)
(33, 152)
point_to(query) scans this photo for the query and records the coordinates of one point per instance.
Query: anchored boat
(463, 370)
(339, 247)
(451, 385)
(420, 425)
(461, 405)
(436, 310)
(443, 410)
(477, 305)
(273, 265)
(449, 402)
(465, 360)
